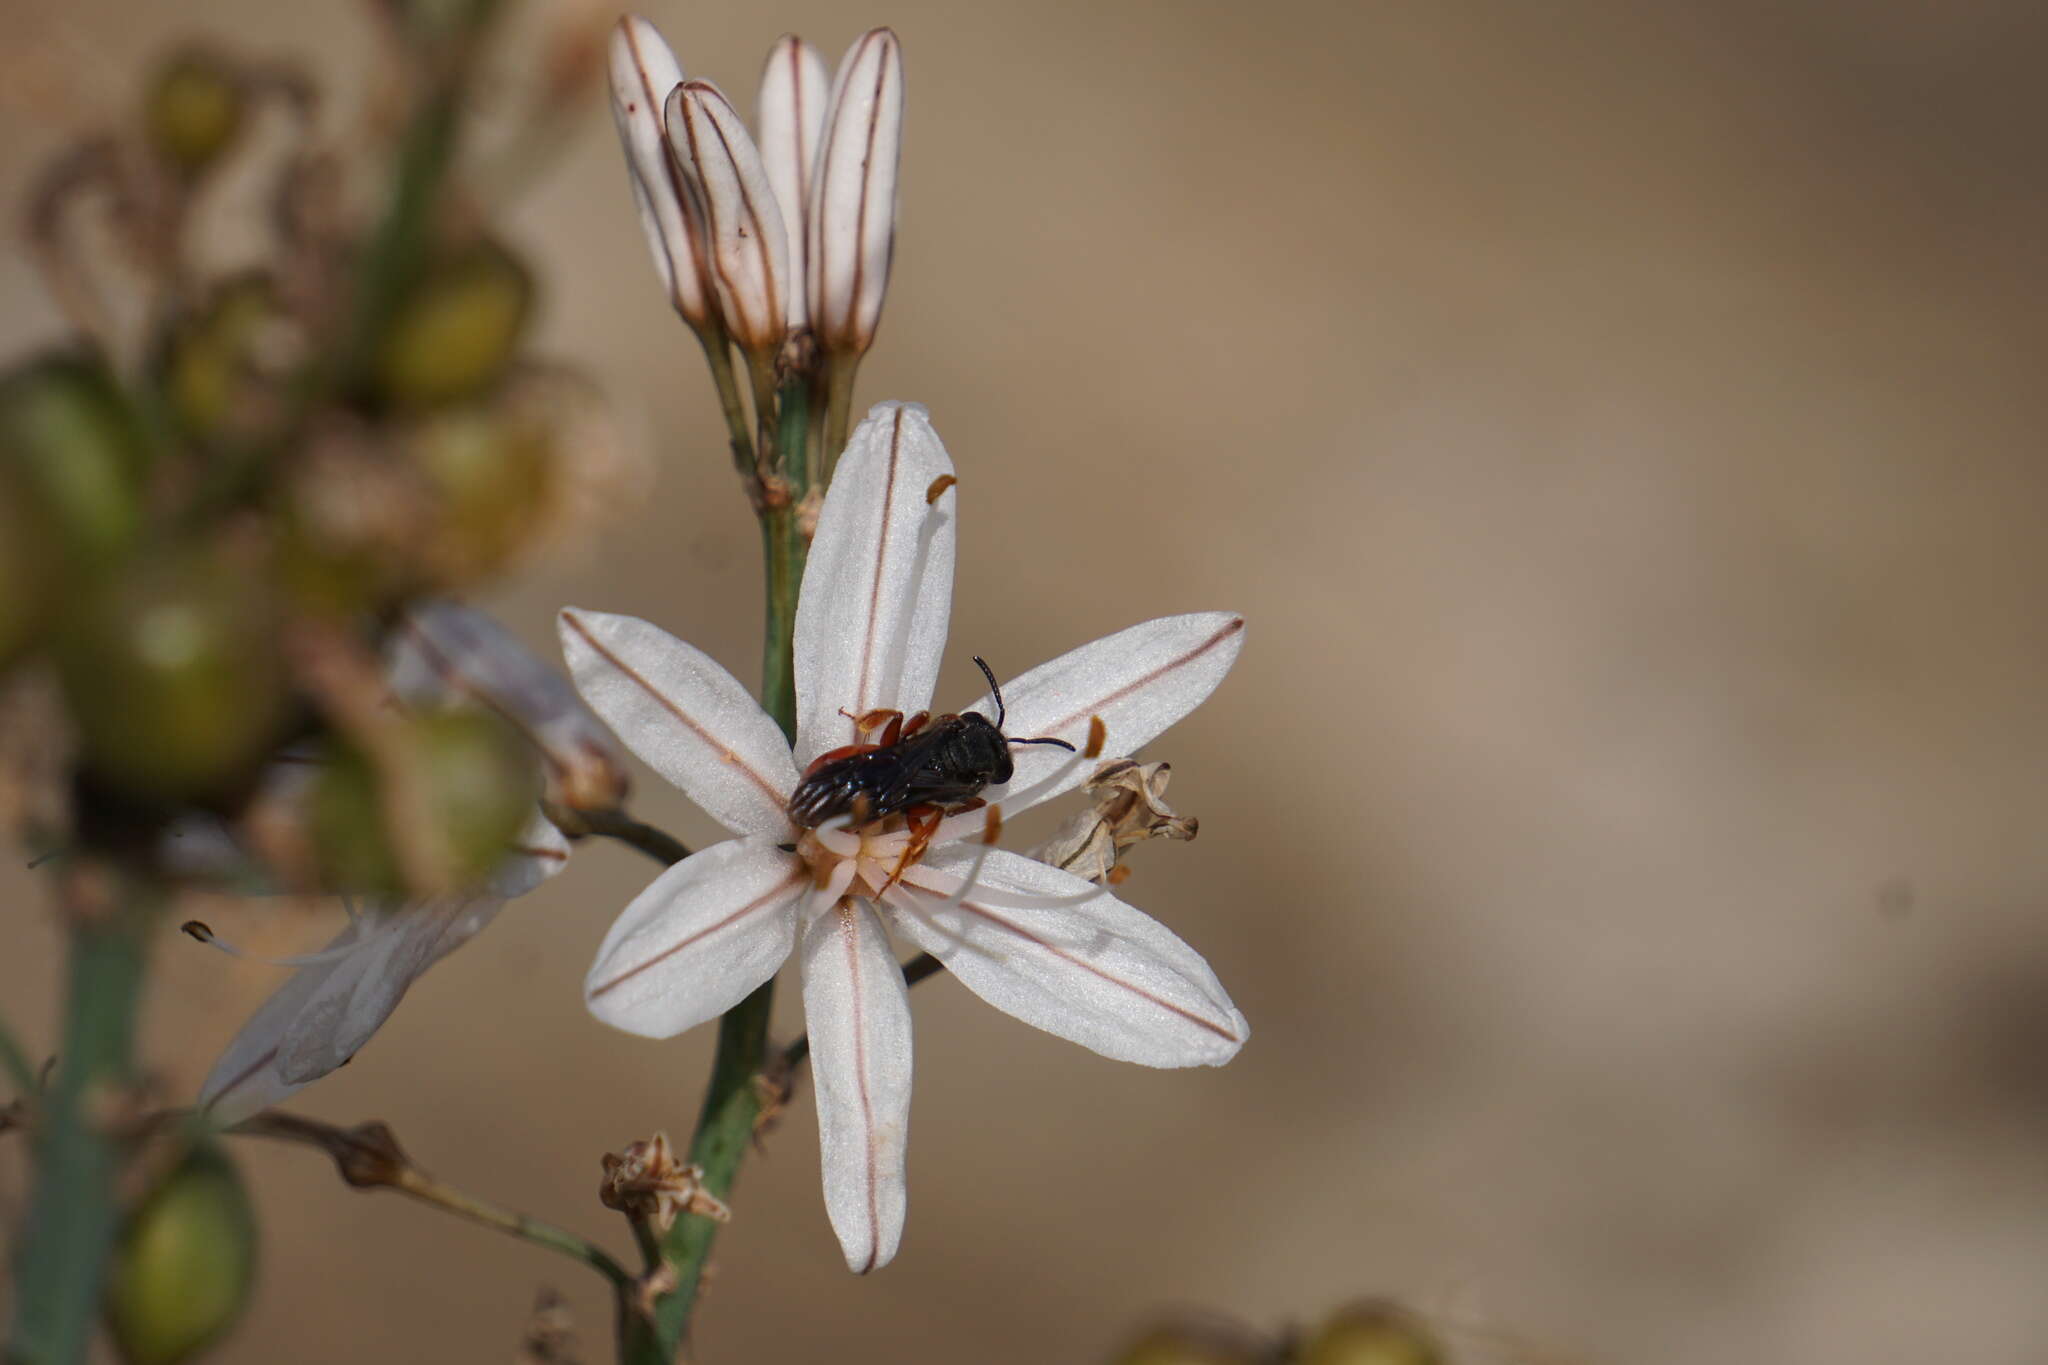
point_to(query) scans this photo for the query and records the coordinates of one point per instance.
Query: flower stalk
(62, 1258)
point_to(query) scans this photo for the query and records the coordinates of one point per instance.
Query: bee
(941, 762)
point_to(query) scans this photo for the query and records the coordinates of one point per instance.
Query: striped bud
(853, 195)
(795, 92)
(749, 248)
(643, 72)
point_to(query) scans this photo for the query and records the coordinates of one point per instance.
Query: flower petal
(858, 1013)
(1139, 681)
(853, 215)
(871, 621)
(352, 998)
(325, 1012)
(440, 651)
(748, 246)
(796, 91)
(687, 718)
(1092, 970)
(643, 71)
(698, 939)
(541, 852)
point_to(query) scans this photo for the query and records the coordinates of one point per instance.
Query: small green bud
(193, 110)
(1372, 1334)
(69, 434)
(457, 331)
(490, 469)
(183, 1268)
(478, 785)
(31, 570)
(173, 675)
(210, 369)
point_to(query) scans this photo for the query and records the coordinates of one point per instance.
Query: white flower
(439, 654)
(1044, 945)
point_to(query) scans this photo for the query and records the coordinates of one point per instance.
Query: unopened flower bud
(796, 91)
(853, 196)
(643, 72)
(443, 652)
(743, 230)
(194, 109)
(172, 674)
(456, 332)
(1372, 1334)
(434, 818)
(70, 435)
(182, 1270)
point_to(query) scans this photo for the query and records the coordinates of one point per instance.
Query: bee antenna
(1048, 740)
(994, 690)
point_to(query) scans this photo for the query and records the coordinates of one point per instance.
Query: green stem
(657, 844)
(62, 1259)
(839, 371)
(718, 353)
(732, 1100)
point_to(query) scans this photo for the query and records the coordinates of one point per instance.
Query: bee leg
(890, 723)
(924, 823)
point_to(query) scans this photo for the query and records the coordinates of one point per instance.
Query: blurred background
(1621, 425)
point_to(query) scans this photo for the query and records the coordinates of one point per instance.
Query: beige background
(1619, 423)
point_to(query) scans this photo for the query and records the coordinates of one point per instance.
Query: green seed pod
(478, 784)
(1372, 1334)
(490, 470)
(457, 331)
(173, 676)
(193, 110)
(182, 1271)
(70, 436)
(31, 570)
(210, 361)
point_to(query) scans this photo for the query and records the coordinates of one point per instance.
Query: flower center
(863, 860)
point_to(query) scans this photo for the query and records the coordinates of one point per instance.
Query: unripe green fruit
(1372, 1334)
(456, 332)
(193, 110)
(68, 434)
(173, 676)
(182, 1271)
(478, 784)
(31, 570)
(1193, 1344)
(206, 361)
(489, 468)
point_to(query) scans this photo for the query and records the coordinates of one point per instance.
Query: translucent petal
(871, 622)
(1139, 681)
(698, 939)
(1094, 971)
(858, 1013)
(687, 718)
